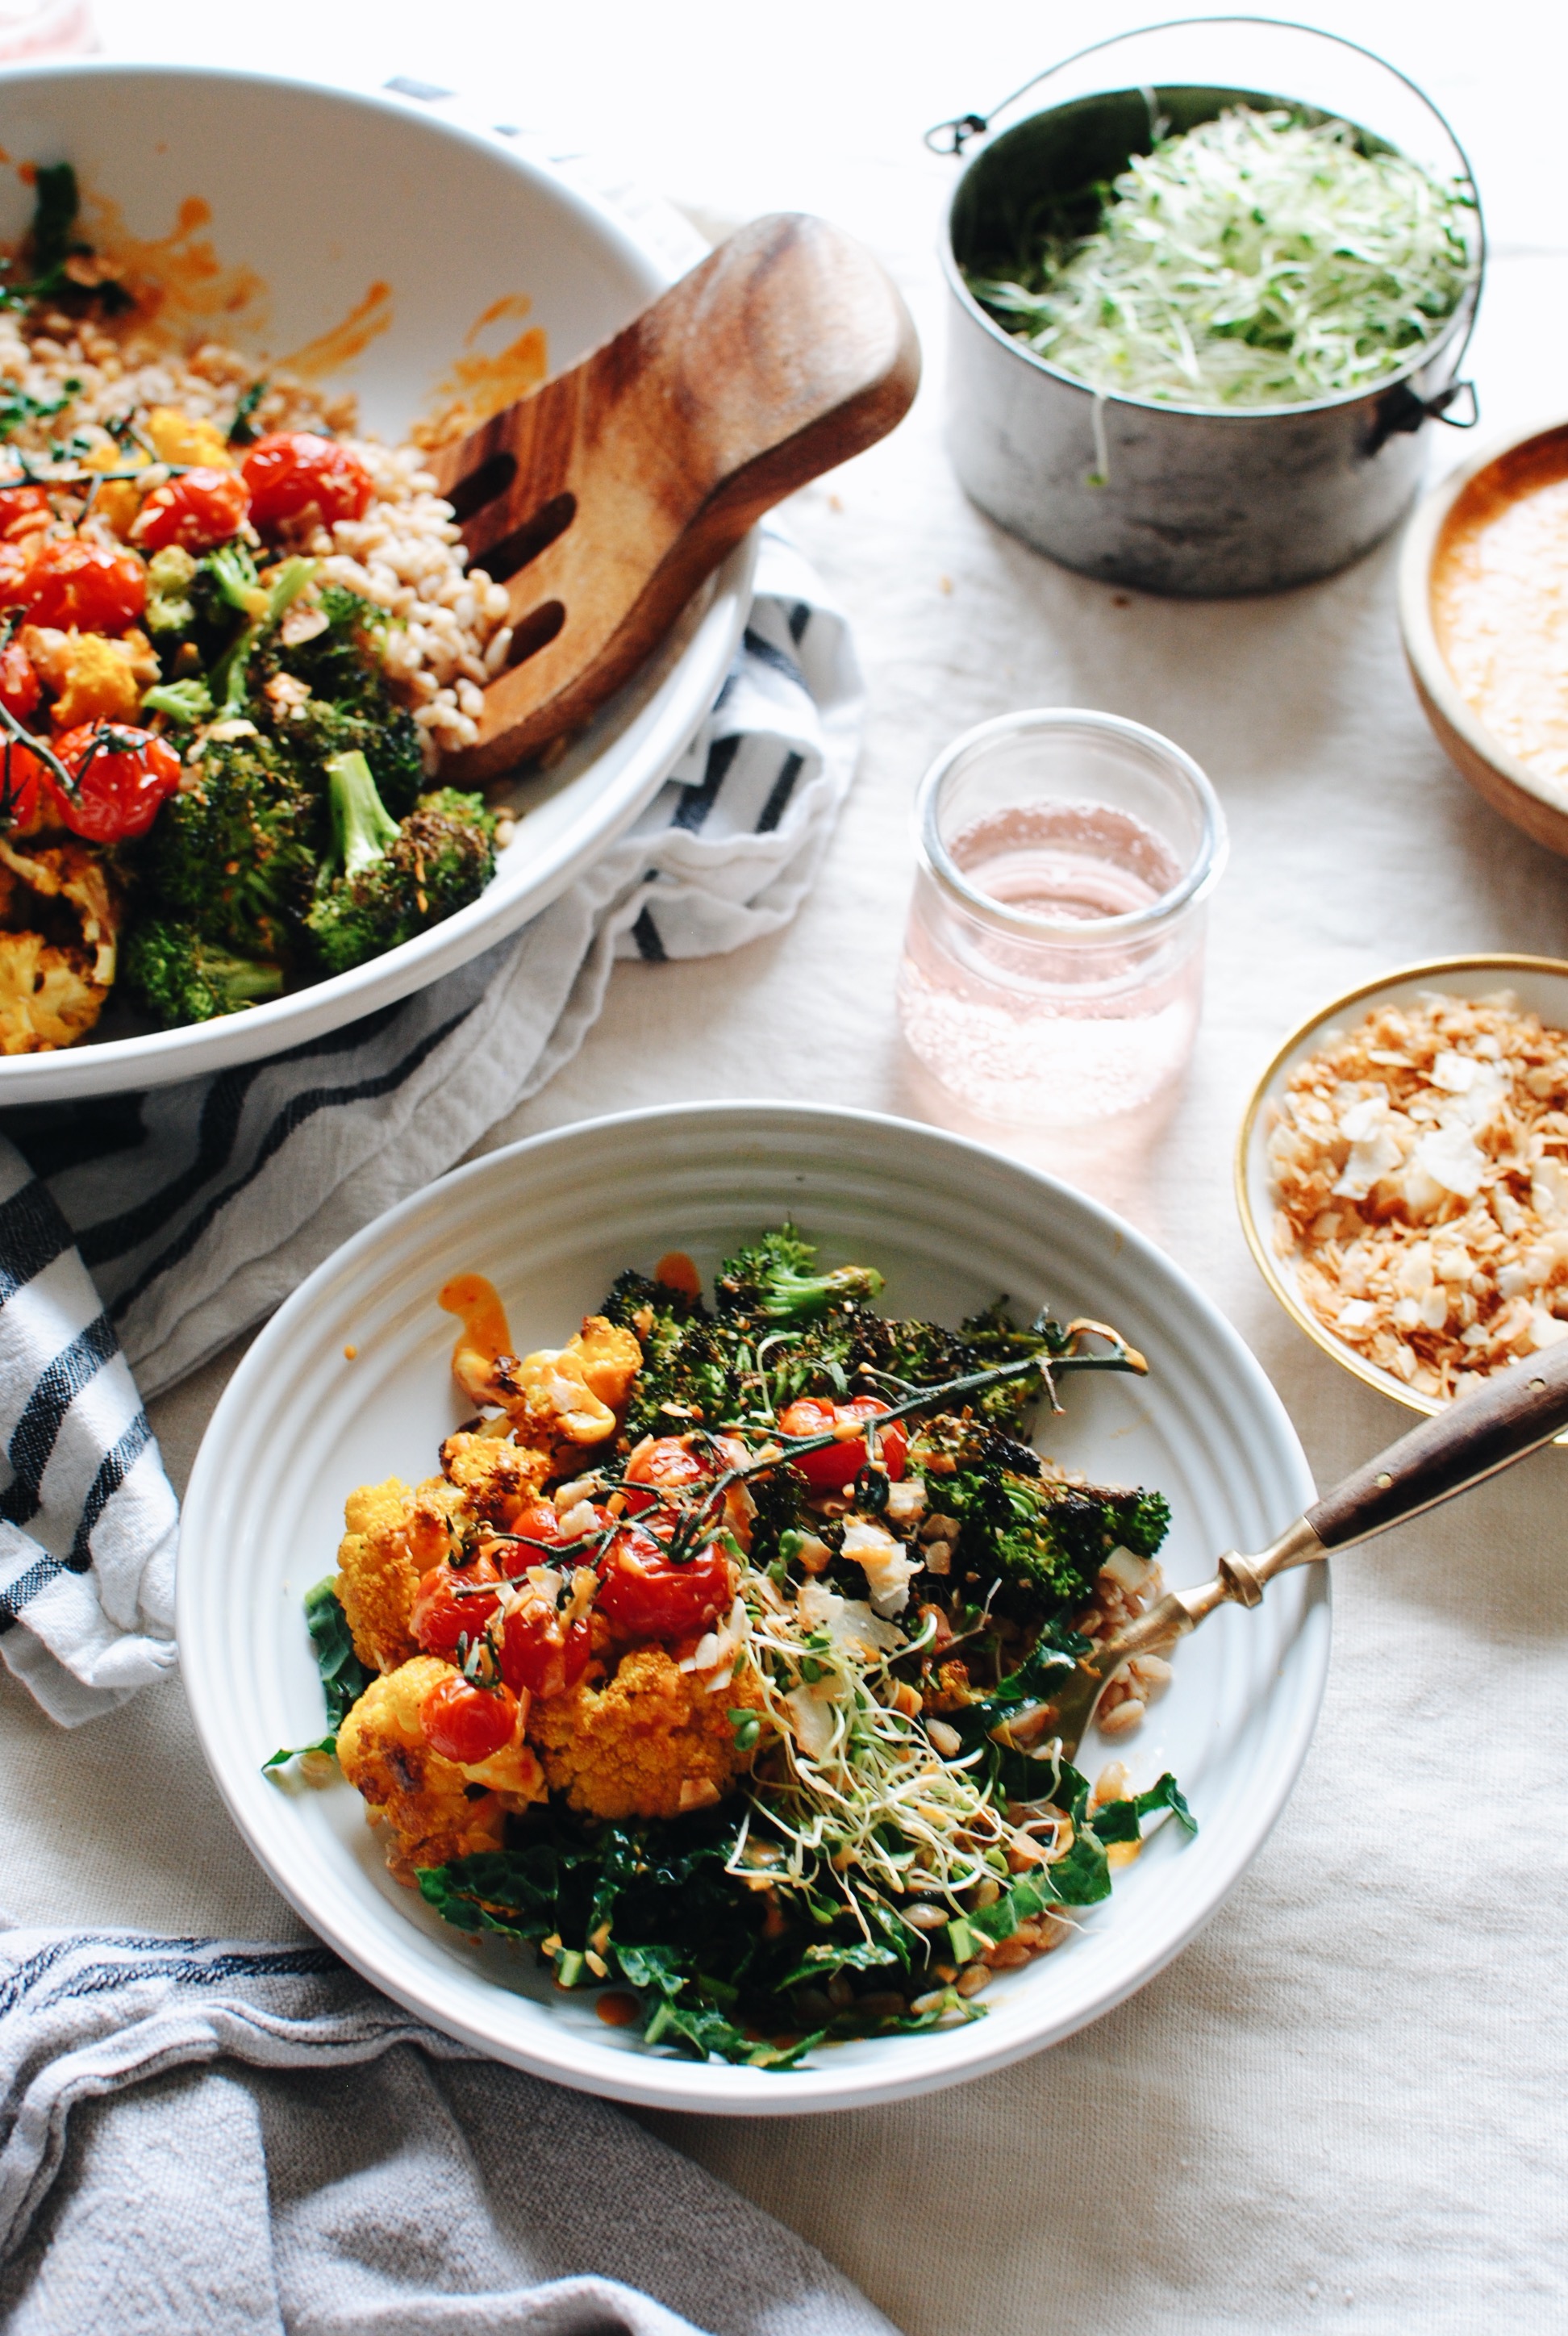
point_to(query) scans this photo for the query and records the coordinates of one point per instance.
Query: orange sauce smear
(1500, 601)
(185, 293)
(480, 382)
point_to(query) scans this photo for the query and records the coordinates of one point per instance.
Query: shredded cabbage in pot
(1254, 260)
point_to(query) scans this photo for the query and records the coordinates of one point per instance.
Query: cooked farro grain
(1420, 1166)
(450, 633)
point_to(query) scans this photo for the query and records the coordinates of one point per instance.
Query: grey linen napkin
(245, 2140)
(148, 1230)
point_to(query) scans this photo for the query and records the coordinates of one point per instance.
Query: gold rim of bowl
(1425, 968)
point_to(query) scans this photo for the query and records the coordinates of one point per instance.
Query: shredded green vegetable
(1254, 260)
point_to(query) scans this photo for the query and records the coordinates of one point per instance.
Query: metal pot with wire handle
(1140, 491)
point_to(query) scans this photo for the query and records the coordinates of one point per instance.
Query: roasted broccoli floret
(318, 731)
(775, 1279)
(1044, 1540)
(349, 709)
(341, 662)
(184, 977)
(237, 853)
(395, 878)
(686, 1375)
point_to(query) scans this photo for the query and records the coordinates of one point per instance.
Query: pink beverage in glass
(1053, 963)
(33, 29)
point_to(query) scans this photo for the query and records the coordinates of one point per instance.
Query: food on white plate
(1257, 259)
(716, 1661)
(235, 641)
(1420, 1174)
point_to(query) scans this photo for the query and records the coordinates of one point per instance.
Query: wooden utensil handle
(1478, 1434)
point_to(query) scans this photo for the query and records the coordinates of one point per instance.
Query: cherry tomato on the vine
(198, 508)
(467, 1723)
(288, 473)
(645, 1595)
(444, 1608)
(541, 1654)
(76, 582)
(19, 685)
(835, 1465)
(123, 777)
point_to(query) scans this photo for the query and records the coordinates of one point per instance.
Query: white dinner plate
(316, 196)
(1541, 985)
(551, 1221)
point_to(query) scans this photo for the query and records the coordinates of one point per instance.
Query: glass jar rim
(1208, 860)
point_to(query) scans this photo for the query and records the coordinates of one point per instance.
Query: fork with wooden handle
(606, 497)
(1508, 1416)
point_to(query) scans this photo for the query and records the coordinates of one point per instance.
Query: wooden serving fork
(1508, 1416)
(604, 499)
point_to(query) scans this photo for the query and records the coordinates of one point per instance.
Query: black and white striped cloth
(141, 1233)
(183, 2146)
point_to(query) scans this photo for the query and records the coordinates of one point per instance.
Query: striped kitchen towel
(143, 1232)
(199, 2134)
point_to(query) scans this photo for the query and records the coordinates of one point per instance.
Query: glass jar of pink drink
(1053, 964)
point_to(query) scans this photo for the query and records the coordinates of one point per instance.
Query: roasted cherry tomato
(196, 510)
(445, 1609)
(22, 511)
(540, 1657)
(835, 1465)
(19, 689)
(74, 582)
(23, 783)
(467, 1723)
(287, 474)
(539, 1523)
(121, 785)
(668, 1464)
(644, 1595)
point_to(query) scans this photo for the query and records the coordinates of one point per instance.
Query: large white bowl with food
(351, 1381)
(390, 236)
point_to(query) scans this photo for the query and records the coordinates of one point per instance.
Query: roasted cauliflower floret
(574, 1392)
(394, 1536)
(58, 923)
(650, 1743)
(422, 1795)
(497, 1479)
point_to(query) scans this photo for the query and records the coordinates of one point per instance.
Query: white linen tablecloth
(1344, 2104)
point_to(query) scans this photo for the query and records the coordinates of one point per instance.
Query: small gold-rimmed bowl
(1540, 984)
(1532, 799)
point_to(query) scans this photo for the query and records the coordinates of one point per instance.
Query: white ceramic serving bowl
(1541, 985)
(1532, 799)
(551, 1221)
(324, 194)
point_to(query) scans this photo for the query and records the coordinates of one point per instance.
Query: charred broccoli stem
(236, 854)
(185, 977)
(776, 1279)
(395, 878)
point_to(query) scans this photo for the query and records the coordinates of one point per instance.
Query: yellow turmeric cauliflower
(497, 1479)
(650, 1743)
(59, 919)
(394, 1534)
(422, 1795)
(576, 1391)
